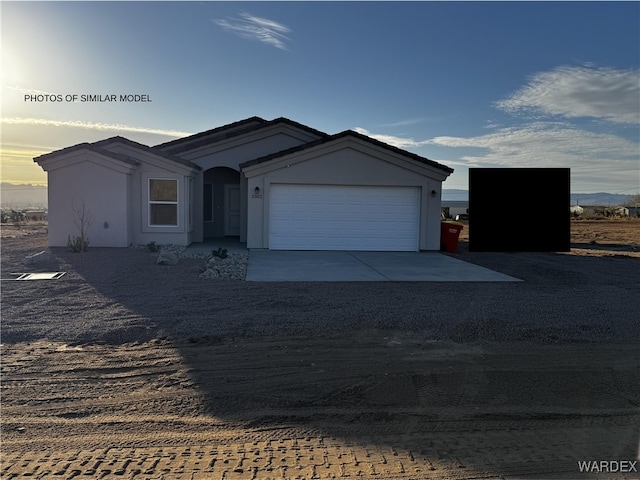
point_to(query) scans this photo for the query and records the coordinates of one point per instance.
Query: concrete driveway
(339, 266)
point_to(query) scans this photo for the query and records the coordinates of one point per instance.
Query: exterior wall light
(433, 193)
(257, 190)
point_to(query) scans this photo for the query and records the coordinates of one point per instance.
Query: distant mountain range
(601, 199)
(19, 197)
(455, 195)
(35, 196)
(584, 199)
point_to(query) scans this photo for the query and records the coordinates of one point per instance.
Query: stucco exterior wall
(105, 195)
(343, 167)
(231, 153)
(153, 166)
(141, 230)
(115, 193)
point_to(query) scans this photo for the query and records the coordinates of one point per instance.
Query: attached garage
(344, 192)
(343, 217)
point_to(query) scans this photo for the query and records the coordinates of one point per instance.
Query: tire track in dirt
(367, 406)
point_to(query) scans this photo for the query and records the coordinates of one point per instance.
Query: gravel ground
(129, 368)
(122, 295)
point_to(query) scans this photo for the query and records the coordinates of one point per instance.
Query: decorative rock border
(232, 267)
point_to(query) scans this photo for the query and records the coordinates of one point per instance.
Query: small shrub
(220, 253)
(153, 247)
(77, 244)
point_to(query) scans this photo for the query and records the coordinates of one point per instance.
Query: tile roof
(219, 132)
(230, 131)
(346, 133)
(98, 148)
(87, 146)
(152, 150)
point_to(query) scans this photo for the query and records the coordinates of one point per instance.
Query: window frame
(163, 202)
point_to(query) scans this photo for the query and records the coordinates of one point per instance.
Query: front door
(232, 210)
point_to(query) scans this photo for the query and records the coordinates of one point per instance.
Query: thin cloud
(545, 144)
(594, 158)
(574, 92)
(29, 91)
(93, 126)
(17, 151)
(256, 28)
(400, 142)
(404, 123)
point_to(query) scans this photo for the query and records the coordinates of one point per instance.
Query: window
(163, 202)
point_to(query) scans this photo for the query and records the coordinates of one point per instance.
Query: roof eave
(203, 142)
(173, 144)
(151, 150)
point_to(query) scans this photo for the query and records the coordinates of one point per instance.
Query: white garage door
(334, 217)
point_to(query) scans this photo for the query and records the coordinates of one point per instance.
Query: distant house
(451, 208)
(36, 215)
(608, 211)
(621, 212)
(273, 184)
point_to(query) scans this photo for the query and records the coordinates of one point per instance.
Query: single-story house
(274, 184)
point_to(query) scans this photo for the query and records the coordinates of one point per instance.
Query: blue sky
(468, 84)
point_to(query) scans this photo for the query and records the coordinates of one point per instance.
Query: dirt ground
(603, 237)
(126, 369)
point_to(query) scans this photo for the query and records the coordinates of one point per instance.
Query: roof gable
(144, 148)
(85, 146)
(346, 134)
(102, 147)
(86, 153)
(226, 132)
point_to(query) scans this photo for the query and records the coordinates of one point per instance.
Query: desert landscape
(594, 237)
(123, 368)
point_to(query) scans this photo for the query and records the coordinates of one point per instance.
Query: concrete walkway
(339, 266)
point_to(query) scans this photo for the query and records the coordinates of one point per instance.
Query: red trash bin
(449, 234)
